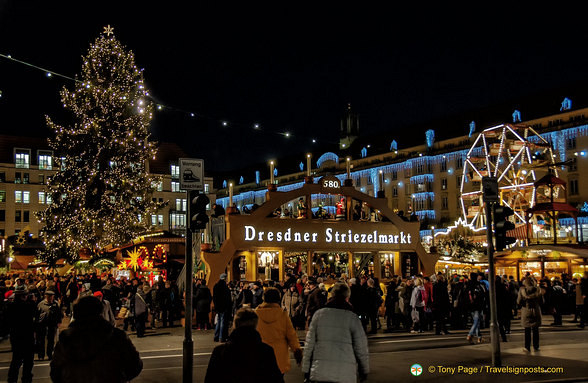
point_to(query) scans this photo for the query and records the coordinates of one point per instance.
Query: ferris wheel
(514, 154)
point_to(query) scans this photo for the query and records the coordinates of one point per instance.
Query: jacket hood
(529, 282)
(269, 312)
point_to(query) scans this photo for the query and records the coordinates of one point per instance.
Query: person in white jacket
(336, 347)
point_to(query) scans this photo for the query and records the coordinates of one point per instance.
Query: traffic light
(501, 226)
(198, 216)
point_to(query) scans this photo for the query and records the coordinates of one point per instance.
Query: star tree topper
(108, 30)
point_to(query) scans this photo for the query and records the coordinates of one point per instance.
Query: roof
(556, 206)
(550, 179)
(167, 153)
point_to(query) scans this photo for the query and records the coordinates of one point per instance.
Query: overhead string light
(163, 107)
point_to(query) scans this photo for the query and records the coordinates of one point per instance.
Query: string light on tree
(102, 186)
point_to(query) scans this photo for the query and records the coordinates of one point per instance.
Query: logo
(416, 369)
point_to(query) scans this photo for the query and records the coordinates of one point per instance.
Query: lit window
(48, 199)
(2, 196)
(153, 220)
(26, 197)
(22, 158)
(175, 186)
(179, 204)
(62, 162)
(42, 197)
(160, 219)
(177, 220)
(160, 186)
(175, 171)
(18, 196)
(206, 188)
(17, 177)
(45, 161)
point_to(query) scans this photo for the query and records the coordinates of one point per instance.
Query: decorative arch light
(328, 156)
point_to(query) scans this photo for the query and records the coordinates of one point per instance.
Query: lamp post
(348, 161)
(308, 165)
(271, 172)
(230, 194)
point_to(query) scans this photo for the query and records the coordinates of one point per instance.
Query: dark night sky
(292, 68)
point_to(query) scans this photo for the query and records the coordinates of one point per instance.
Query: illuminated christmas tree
(101, 193)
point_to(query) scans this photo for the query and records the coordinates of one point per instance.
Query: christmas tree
(101, 194)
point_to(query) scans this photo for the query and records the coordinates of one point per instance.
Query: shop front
(541, 261)
(264, 245)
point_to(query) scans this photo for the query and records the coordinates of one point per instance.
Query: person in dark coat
(257, 292)
(530, 296)
(92, 351)
(373, 303)
(202, 300)
(244, 358)
(316, 299)
(391, 303)
(20, 319)
(358, 301)
(221, 297)
(441, 305)
(503, 307)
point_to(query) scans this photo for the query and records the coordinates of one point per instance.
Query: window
(394, 175)
(459, 163)
(160, 219)
(571, 143)
(42, 179)
(153, 220)
(443, 165)
(2, 196)
(18, 196)
(25, 216)
(420, 168)
(45, 160)
(458, 181)
(22, 158)
(26, 197)
(160, 186)
(25, 178)
(395, 191)
(48, 199)
(175, 171)
(42, 197)
(2, 232)
(2, 177)
(139, 217)
(17, 215)
(574, 187)
(62, 163)
(444, 202)
(443, 183)
(573, 166)
(175, 186)
(177, 220)
(206, 188)
(181, 204)
(17, 177)
(2, 215)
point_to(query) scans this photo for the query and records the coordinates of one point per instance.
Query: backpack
(477, 295)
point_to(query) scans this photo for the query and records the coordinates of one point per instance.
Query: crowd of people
(257, 314)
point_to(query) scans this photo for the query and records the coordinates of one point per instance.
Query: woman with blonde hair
(417, 303)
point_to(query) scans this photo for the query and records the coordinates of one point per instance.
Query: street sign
(191, 174)
(490, 189)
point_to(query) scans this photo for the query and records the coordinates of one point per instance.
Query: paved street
(391, 356)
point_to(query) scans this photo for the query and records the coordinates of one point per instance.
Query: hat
(20, 290)
(98, 294)
(49, 292)
(9, 294)
(223, 276)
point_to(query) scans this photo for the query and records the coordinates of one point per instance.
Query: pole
(496, 361)
(188, 345)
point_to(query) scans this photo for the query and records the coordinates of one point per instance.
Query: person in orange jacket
(276, 329)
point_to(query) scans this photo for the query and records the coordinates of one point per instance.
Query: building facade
(424, 180)
(26, 163)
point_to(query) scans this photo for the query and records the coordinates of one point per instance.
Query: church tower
(349, 128)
